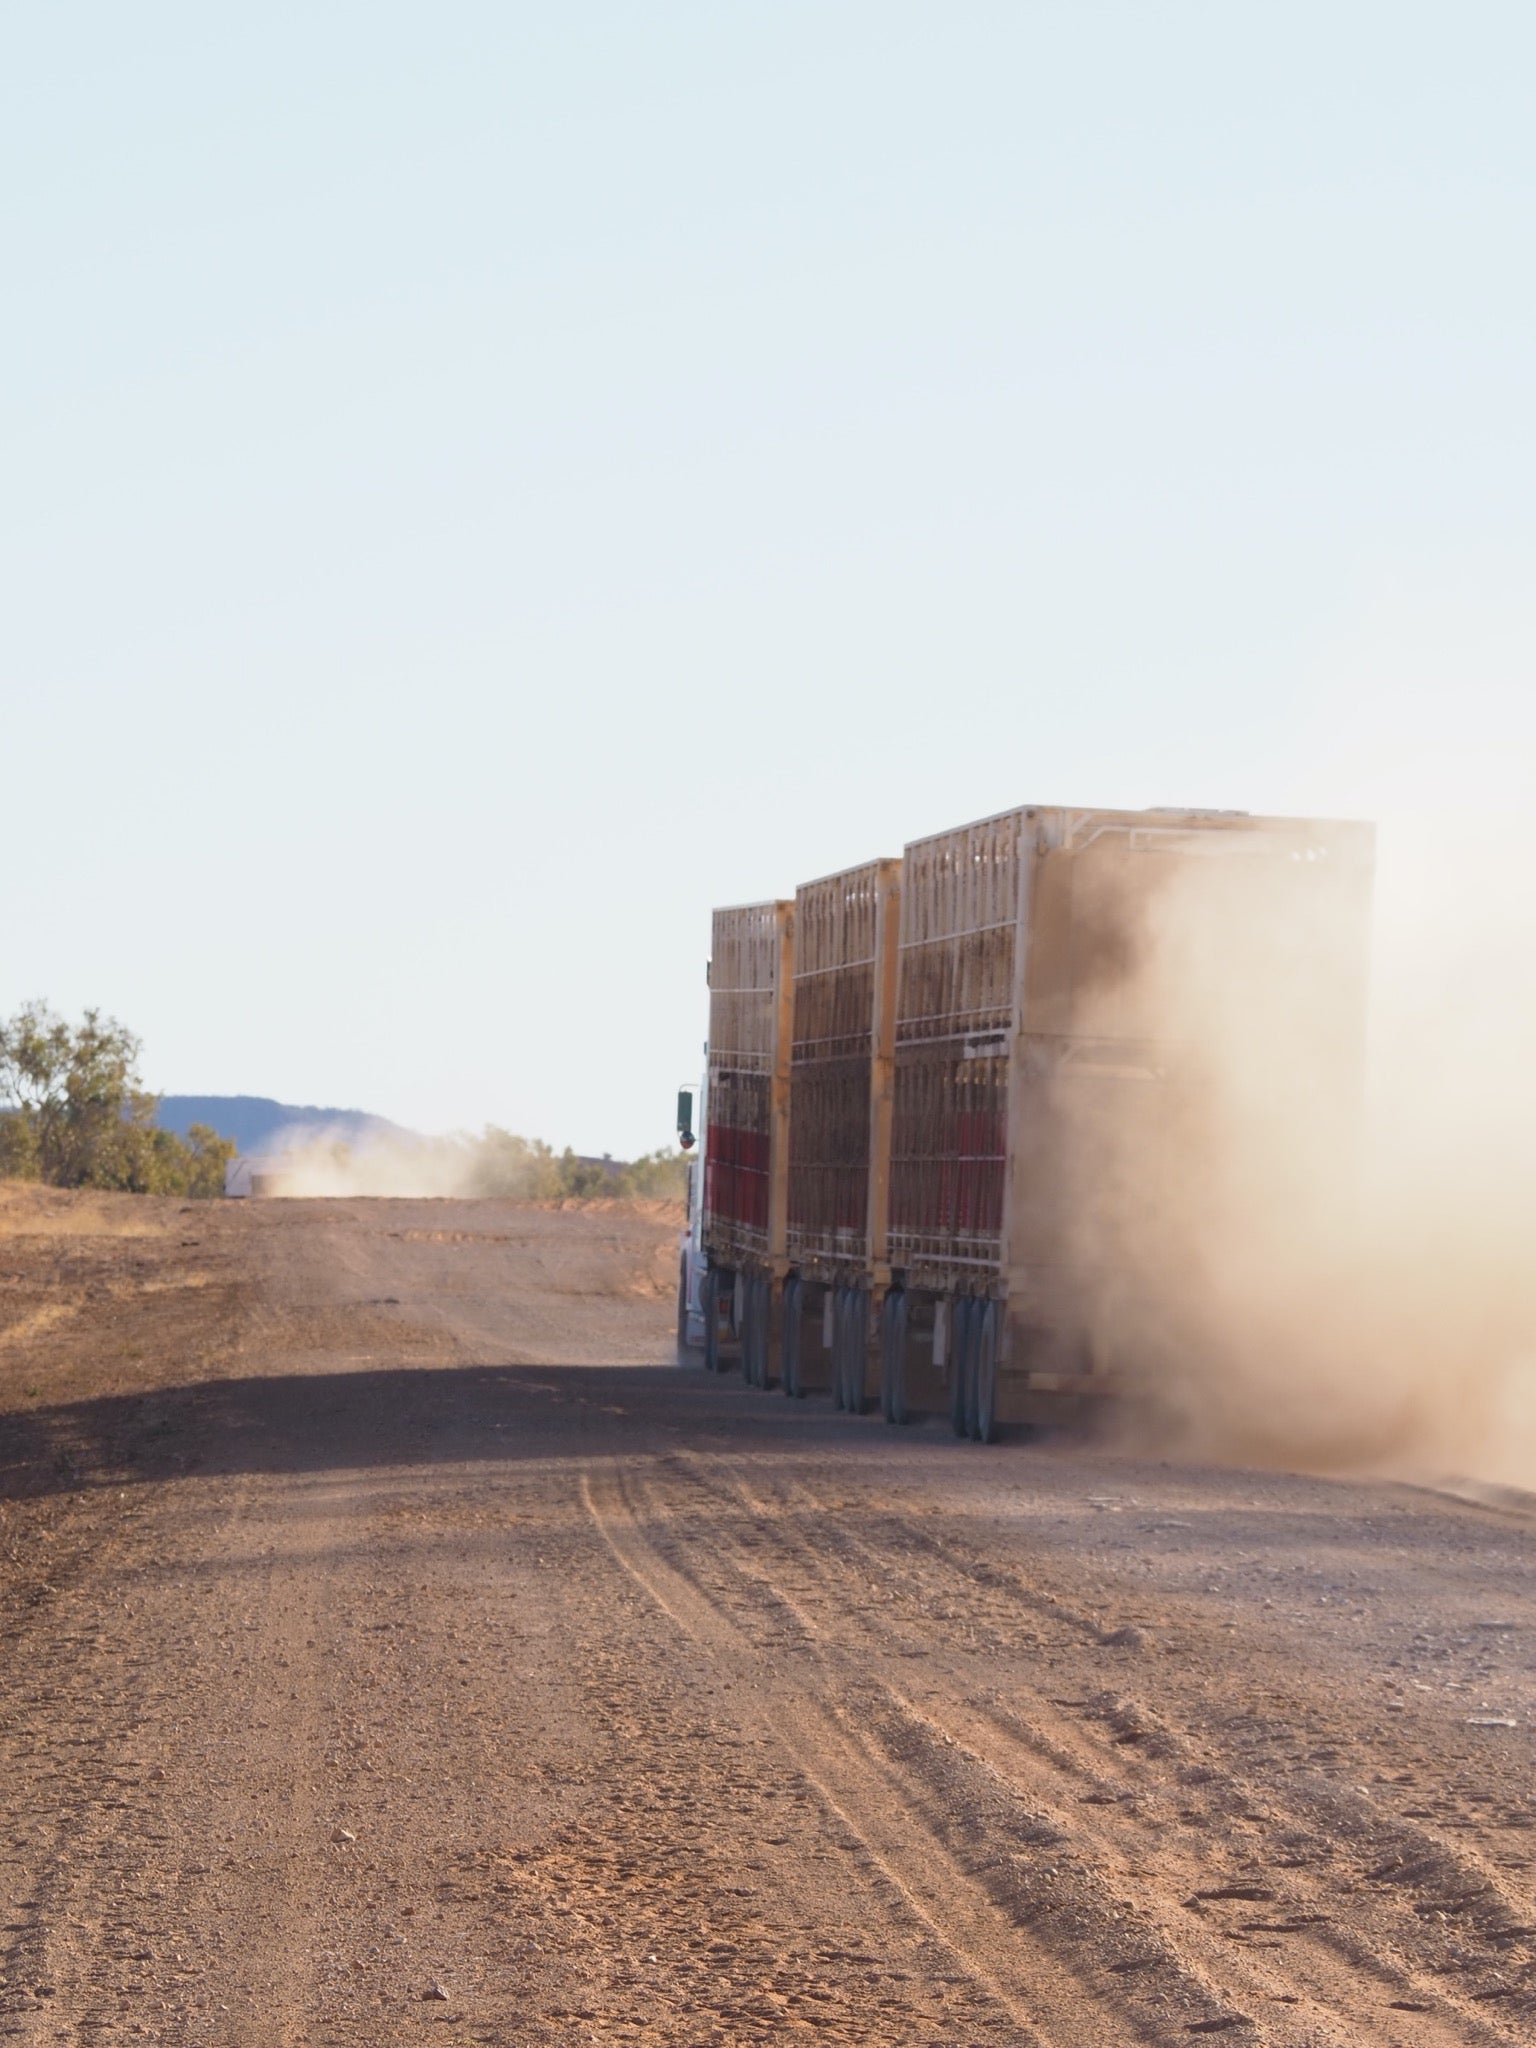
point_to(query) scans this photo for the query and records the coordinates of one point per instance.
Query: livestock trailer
(967, 1109)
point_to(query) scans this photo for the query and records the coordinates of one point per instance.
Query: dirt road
(394, 1646)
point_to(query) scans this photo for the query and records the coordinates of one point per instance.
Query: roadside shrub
(504, 1164)
(661, 1173)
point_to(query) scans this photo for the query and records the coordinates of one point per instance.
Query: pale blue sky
(481, 484)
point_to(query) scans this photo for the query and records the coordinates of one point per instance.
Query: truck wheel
(893, 1356)
(842, 1345)
(983, 1388)
(711, 1320)
(960, 1365)
(789, 1355)
(762, 1301)
(682, 1306)
(757, 1299)
(858, 1351)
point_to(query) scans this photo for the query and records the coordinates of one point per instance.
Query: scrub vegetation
(74, 1114)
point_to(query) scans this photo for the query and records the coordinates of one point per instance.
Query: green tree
(586, 1177)
(661, 1173)
(72, 1112)
(18, 1146)
(504, 1164)
(69, 1087)
(209, 1154)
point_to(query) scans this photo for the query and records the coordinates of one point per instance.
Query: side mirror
(685, 1136)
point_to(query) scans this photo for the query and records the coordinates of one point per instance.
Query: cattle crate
(746, 1146)
(846, 930)
(1071, 983)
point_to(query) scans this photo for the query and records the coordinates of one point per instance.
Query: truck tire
(711, 1320)
(757, 1305)
(983, 1376)
(960, 1365)
(856, 1356)
(762, 1299)
(842, 1343)
(682, 1306)
(893, 1356)
(789, 1351)
(764, 1323)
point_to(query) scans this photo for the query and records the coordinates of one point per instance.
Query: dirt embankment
(392, 1638)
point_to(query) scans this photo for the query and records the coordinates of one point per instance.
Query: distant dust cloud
(312, 1162)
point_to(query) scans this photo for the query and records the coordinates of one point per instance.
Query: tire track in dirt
(1053, 2006)
(1208, 1929)
(1056, 1766)
(1041, 1758)
(1418, 1875)
(1327, 1967)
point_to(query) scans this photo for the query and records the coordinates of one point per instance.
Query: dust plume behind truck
(963, 1098)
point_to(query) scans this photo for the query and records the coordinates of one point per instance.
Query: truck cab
(691, 1260)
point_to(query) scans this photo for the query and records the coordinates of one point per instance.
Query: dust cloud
(314, 1162)
(1312, 1232)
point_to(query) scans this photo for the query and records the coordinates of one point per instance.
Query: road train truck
(964, 1110)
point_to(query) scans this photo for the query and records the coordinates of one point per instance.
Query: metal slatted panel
(743, 999)
(835, 940)
(954, 1019)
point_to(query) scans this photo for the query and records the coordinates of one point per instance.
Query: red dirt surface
(393, 1640)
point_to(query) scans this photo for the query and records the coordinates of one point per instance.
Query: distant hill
(252, 1119)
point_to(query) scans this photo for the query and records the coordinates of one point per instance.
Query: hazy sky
(483, 483)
